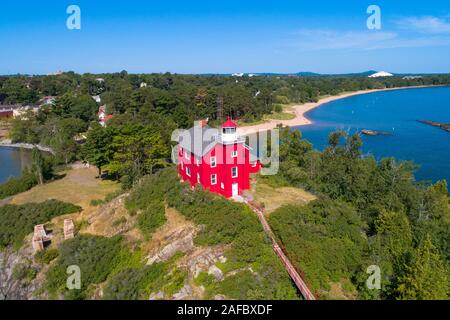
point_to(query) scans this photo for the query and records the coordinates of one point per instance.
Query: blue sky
(211, 36)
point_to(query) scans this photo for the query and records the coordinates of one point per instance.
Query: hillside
(153, 241)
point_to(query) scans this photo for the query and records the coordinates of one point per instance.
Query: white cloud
(427, 24)
(322, 39)
(319, 39)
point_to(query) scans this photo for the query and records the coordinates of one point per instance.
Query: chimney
(203, 123)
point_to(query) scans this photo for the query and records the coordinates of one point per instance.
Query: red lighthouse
(220, 161)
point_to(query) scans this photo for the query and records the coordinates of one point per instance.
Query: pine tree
(426, 278)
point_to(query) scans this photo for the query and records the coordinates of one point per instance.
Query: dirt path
(292, 271)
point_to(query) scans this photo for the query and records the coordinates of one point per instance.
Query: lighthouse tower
(229, 134)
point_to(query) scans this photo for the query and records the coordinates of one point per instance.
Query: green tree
(426, 278)
(97, 149)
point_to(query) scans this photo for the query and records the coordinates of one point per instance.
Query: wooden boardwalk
(293, 273)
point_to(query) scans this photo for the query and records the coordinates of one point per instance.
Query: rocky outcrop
(157, 296)
(15, 269)
(180, 240)
(184, 293)
(204, 260)
(375, 133)
(441, 125)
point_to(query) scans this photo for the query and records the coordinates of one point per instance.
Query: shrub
(16, 221)
(46, 256)
(318, 233)
(17, 185)
(95, 255)
(151, 218)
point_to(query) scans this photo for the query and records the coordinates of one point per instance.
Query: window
(229, 130)
(182, 165)
(213, 162)
(234, 172)
(197, 161)
(213, 179)
(188, 171)
(181, 151)
(234, 154)
(187, 155)
(198, 177)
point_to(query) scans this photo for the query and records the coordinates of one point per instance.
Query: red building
(220, 161)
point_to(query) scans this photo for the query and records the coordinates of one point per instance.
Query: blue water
(12, 162)
(395, 112)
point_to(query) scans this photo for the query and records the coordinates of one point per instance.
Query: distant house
(219, 161)
(240, 75)
(47, 100)
(103, 117)
(412, 77)
(6, 112)
(97, 99)
(22, 110)
(143, 85)
(381, 74)
(101, 80)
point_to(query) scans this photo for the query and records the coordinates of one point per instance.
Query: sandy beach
(300, 110)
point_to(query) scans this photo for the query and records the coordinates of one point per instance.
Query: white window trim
(215, 178)
(188, 171)
(198, 177)
(211, 160)
(187, 155)
(197, 161)
(234, 154)
(254, 164)
(237, 172)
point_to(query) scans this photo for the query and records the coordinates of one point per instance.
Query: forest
(368, 212)
(147, 108)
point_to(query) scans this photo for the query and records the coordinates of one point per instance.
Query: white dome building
(381, 74)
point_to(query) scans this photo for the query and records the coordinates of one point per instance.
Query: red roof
(229, 124)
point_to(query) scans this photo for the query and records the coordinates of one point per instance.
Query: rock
(184, 293)
(216, 273)
(17, 289)
(182, 240)
(375, 133)
(203, 259)
(441, 125)
(156, 296)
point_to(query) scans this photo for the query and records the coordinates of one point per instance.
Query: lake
(391, 111)
(395, 112)
(12, 162)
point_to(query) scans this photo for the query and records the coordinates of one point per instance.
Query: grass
(275, 197)
(79, 186)
(287, 113)
(280, 116)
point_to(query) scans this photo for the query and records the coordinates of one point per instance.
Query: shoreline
(300, 110)
(28, 146)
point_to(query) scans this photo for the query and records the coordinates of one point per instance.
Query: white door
(235, 189)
